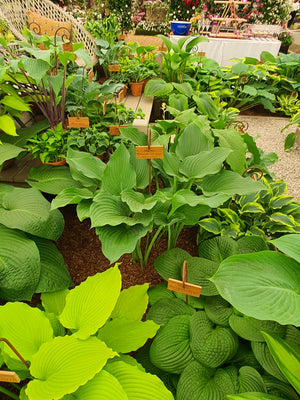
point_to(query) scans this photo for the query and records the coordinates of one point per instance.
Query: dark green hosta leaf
(211, 225)
(218, 310)
(54, 274)
(71, 196)
(199, 272)
(263, 285)
(188, 197)
(159, 292)
(289, 244)
(290, 141)
(51, 179)
(206, 105)
(204, 163)
(231, 183)
(218, 248)
(119, 174)
(170, 349)
(279, 388)
(287, 358)
(165, 309)
(119, 240)
(124, 335)
(88, 306)
(283, 219)
(20, 265)
(8, 151)
(169, 264)
(211, 345)
(65, 363)
(252, 208)
(250, 328)
(158, 87)
(264, 357)
(228, 214)
(280, 201)
(251, 244)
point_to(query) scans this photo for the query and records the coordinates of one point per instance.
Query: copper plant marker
(114, 130)
(11, 376)
(183, 286)
(79, 121)
(201, 53)
(113, 68)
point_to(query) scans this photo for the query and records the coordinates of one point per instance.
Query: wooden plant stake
(79, 121)
(113, 68)
(114, 130)
(148, 152)
(11, 376)
(183, 286)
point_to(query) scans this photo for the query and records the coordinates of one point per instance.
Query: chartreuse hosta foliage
(29, 260)
(208, 348)
(74, 345)
(268, 213)
(115, 196)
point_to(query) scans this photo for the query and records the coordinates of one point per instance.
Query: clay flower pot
(136, 88)
(56, 163)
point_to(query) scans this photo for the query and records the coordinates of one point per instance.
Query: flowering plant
(285, 37)
(125, 11)
(267, 11)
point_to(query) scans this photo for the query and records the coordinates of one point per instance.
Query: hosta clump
(208, 348)
(74, 345)
(30, 262)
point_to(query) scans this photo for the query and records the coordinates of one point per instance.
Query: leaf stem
(9, 393)
(148, 250)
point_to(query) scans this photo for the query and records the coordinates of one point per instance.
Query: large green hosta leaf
(119, 240)
(289, 244)
(263, 285)
(136, 383)
(54, 302)
(71, 196)
(166, 308)
(231, 183)
(89, 305)
(25, 327)
(169, 264)
(8, 151)
(287, 358)
(54, 274)
(52, 179)
(29, 211)
(132, 303)
(124, 335)
(65, 363)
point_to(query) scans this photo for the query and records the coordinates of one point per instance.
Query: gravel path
(267, 132)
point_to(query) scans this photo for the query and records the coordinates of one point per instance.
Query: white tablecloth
(223, 50)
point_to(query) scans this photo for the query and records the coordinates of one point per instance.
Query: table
(223, 50)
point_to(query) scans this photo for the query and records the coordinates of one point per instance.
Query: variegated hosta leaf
(253, 396)
(124, 335)
(170, 349)
(211, 345)
(138, 384)
(25, 327)
(287, 358)
(263, 285)
(65, 363)
(90, 304)
(289, 244)
(132, 303)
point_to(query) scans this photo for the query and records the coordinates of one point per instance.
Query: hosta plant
(75, 344)
(30, 262)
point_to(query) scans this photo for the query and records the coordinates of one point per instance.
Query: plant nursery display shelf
(224, 50)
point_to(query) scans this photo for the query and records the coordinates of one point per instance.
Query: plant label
(67, 46)
(91, 75)
(113, 68)
(78, 122)
(9, 376)
(185, 288)
(149, 152)
(115, 131)
(201, 53)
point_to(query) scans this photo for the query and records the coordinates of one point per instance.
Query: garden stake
(183, 286)
(148, 152)
(114, 130)
(79, 121)
(11, 376)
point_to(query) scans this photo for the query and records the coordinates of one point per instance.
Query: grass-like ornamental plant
(75, 345)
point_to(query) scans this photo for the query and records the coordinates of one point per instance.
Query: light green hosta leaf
(289, 244)
(84, 55)
(19, 265)
(7, 125)
(119, 240)
(178, 101)
(28, 210)
(54, 302)
(138, 384)
(52, 179)
(119, 174)
(36, 69)
(71, 196)
(134, 136)
(170, 349)
(253, 396)
(25, 327)
(165, 309)
(56, 82)
(204, 163)
(132, 303)
(104, 386)
(108, 209)
(65, 363)
(141, 168)
(287, 358)
(169, 264)
(263, 285)
(158, 87)
(54, 274)
(136, 201)
(231, 183)
(206, 105)
(8, 151)
(89, 305)
(124, 336)
(184, 88)
(83, 209)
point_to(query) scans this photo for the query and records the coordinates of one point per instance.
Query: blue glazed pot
(180, 27)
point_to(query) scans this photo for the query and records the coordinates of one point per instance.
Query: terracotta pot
(56, 163)
(136, 88)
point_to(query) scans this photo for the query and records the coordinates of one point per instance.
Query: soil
(81, 249)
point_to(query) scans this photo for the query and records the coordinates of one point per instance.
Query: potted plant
(51, 146)
(286, 39)
(94, 140)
